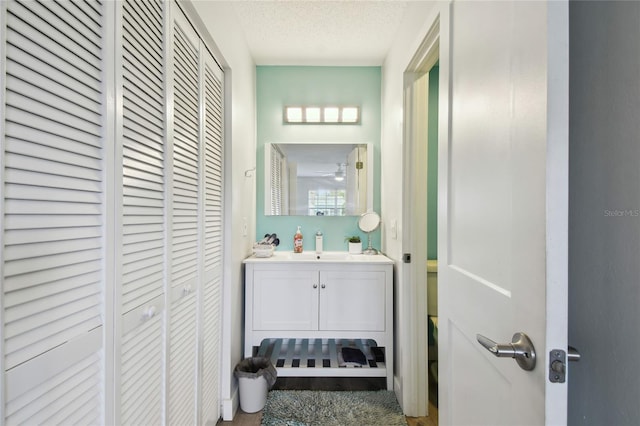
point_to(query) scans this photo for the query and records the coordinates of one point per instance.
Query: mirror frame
(370, 173)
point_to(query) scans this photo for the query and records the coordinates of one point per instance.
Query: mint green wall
(277, 86)
(432, 165)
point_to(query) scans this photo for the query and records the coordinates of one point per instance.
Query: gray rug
(328, 408)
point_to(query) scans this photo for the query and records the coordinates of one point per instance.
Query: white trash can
(255, 377)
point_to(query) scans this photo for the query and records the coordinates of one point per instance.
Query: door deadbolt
(557, 363)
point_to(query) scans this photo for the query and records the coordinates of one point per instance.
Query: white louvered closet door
(185, 224)
(142, 249)
(212, 289)
(53, 212)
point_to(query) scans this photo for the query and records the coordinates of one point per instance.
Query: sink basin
(337, 255)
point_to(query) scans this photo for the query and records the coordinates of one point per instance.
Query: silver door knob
(520, 348)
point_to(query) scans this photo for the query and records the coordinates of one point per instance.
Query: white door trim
(414, 367)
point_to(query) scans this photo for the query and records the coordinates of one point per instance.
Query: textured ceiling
(319, 32)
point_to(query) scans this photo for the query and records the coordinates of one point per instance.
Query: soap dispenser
(318, 242)
(297, 241)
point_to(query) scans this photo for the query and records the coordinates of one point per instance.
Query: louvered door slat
(140, 56)
(36, 264)
(139, 60)
(25, 251)
(47, 138)
(186, 219)
(23, 192)
(142, 118)
(84, 10)
(24, 76)
(53, 205)
(24, 103)
(143, 287)
(212, 259)
(34, 312)
(144, 144)
(144, 215)
(141, 374)
(153, 9)
(143, 207)
(43, 167)
(32, 207)
(61, 17)
(148, 168)
(39, 126)
(40, 292)
(143, 153)
(186, 116)
(185, 160)
(144, 228)
(70, 29)
(142, 181)
(182, 362)
(74, 389)
(76, 108)
(47, 223)
(211, 349)
(145, 23)
(76, 54)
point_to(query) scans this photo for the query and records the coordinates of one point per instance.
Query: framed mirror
(318, 179)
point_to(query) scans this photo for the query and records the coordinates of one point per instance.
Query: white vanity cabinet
(323, 298)
(306, 307)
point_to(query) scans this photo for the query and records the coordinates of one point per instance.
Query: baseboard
(397, 389)
(230, 406)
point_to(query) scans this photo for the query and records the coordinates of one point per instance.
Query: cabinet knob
(149, 313)
(315, 286)
(323, 286)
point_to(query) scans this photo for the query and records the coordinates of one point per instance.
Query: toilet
(432, 288)
(432, 312)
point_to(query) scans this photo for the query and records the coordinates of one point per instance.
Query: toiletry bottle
(318, 242)
(297, 241)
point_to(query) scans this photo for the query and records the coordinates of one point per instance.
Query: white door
(503, 211)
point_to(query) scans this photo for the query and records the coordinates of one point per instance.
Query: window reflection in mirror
(318, 179)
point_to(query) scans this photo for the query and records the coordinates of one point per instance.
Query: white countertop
(324, 257)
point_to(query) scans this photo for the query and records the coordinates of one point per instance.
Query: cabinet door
(352, 300)
(285, 300)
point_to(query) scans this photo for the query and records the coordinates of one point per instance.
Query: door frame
(434, 47)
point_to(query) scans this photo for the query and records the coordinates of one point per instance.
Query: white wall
(221, 22)
(418, 19)
(604, 212)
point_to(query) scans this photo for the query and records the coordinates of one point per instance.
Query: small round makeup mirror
(369, 222)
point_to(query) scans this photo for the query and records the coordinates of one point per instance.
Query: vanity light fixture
(321, 115)
(293, 115)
